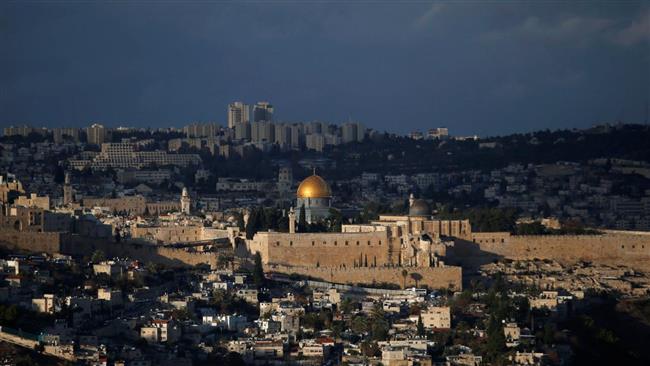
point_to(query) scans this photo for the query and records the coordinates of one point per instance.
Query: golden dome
(314, 187)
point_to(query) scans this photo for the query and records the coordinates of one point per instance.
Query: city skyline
(520, 67)
(324, 182)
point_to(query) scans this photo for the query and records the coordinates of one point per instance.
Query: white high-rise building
(243, 131)
(315, 141)
(297, 135)
(438, 133)
(263, 131)
(201, 130)
(97, 134)
(352, 131)
(238, 113)
(263, 111)
(283, 135)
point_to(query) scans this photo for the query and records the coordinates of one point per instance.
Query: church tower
(185, 202)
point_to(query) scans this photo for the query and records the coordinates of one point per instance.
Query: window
(312, 243)
(336, 243)
(291, 243)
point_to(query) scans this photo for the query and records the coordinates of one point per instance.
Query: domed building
(418, 207)
(315, 196)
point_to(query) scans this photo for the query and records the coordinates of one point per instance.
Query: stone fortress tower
(315, 197)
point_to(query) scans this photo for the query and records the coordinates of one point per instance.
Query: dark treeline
(396, 155)
(491, 219)
(276, 219)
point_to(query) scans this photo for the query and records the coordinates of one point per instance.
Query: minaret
(68, 197)
(185, 202)
(411, 199)
(292, 221)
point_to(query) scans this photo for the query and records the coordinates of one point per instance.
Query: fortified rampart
(368, 249)
(76, 245)
(177, 234)
(615, 248)
(432, 277)
(47, 242)
(80, 246)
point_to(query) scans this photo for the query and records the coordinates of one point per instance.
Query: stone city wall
(631, 249)
(177, 234)
(131, 204)
(76, 245)
(432, 277)
(80, 246)
(324, 249)
(44, 242)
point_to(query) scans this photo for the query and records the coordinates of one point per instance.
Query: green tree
(252, 224)
(233, 359)
(370, 349)
(240, 221)
(347, 305)
(420, 326)
(302, 219)
(533, 228)
(98, 256)
(359, 324)
(405, 274)
(416, 277)
(258, 271)
(549, 334)
(496, 340)
(334, 221)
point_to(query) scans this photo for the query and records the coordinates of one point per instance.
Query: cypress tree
(302, 219)
(258, 271)
(251, 226)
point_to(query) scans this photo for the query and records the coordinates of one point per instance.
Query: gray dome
(419, 208)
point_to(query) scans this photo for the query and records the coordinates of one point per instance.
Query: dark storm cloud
(475, 67)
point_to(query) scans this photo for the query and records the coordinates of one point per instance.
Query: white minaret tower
(185, 202)
(68, 197)
(292, 221)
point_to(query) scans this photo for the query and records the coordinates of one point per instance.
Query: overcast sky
(476, 67)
